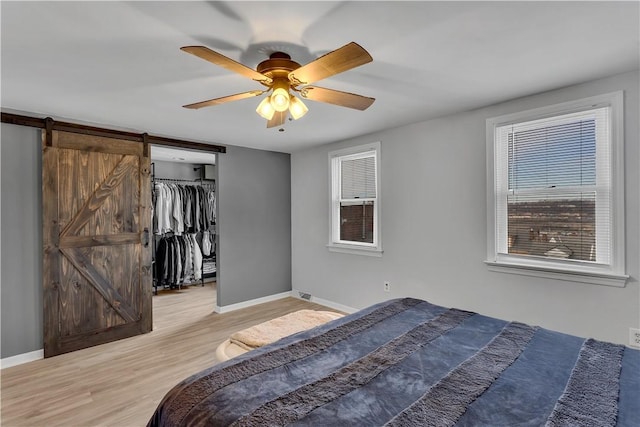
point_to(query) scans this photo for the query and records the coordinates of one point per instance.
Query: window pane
(356, 221)
(553, 156)
(557, 226)
(358, 180)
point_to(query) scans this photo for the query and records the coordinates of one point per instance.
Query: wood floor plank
(121, 383)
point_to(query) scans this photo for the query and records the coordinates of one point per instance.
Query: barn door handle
(145, 237)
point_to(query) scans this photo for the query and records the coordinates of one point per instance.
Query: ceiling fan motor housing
(278, 65)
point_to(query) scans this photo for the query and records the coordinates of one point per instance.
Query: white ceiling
(119, 64)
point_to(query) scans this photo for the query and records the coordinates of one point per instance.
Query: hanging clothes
(211, 205)
(184, 217)
(178, 260)
(197, 258)
(177, 213)
(206, 243)
(183, 208)
(163, 207)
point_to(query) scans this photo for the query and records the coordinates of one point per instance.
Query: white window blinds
(358, 177)
(553, 187)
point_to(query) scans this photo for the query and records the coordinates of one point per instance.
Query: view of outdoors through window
(356, 221)
(551, 203)
(555, 228)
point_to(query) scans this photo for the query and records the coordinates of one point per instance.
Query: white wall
(434, 226)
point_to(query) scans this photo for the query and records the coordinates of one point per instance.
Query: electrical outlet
(634, 337)
(387, 286)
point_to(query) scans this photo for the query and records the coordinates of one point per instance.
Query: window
(355, 200)
(555, 198)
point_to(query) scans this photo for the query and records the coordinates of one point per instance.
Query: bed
(407, 362)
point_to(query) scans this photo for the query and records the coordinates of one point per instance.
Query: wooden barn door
(97, 260)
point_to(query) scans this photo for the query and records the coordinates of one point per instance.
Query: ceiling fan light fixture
(265, 109)
(282, 77)
(280, 100)
(297, 108)
(280, 96)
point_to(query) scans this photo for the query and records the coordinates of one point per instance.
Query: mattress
(407, 362)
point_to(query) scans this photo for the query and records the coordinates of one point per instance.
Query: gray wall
(254, 217)
(21, 232)
(253, 198)
(434, 226)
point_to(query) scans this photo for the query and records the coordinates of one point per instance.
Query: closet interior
(183, 196)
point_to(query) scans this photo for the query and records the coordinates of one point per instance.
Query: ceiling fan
(281, 76)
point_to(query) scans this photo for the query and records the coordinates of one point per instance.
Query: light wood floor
(121, 383)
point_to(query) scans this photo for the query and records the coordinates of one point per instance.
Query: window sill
(594, 278)
(355, 250)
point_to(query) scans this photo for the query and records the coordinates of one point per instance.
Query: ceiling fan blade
(345, 58)
(278, 119)
(336, 97)
(225, 62)
(224, 99)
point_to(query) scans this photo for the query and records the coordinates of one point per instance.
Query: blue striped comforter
(407, 362)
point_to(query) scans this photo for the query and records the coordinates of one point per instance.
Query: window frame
(611, 274)
(345, 246)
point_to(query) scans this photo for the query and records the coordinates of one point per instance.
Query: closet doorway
(184, 224)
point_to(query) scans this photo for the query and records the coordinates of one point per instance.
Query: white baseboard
(19, 359)
(293, 293)
(245, 304)
(344, 308)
